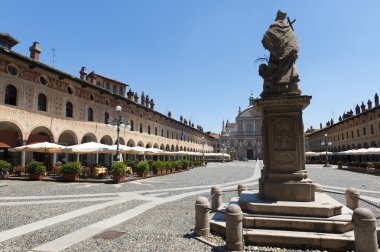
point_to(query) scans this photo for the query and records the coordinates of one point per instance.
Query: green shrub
(4, 166)
(72, 168)
(157, 165)
(376, 165)
(354, 164)
(363, 165)
(143, 166)
(150, 163)
(35, 167)
(185, 164)
(119, 168)
(339, 163)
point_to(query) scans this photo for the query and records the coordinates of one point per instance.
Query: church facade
(242, 139)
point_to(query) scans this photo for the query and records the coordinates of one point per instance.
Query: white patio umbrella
(89, 147)
(311, 154)
(139, 150)
(154, 151)
(44, 147)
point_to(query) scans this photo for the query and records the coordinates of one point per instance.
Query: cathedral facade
(242, 139)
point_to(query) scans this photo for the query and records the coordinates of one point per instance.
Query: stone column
(216, 197)
(365, 230)
(352, 198)
(284, 176)
(202, 217)
(54, 159)
(22, 158)
(234, 228)
(241, 188)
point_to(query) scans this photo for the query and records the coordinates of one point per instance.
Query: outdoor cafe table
(100, 170)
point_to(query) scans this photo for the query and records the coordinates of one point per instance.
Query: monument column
(284, 176)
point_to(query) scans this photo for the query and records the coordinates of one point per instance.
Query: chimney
(130, 94)
(369, 103)
(152, 104)
(35, 51)
(83, 73)
(357, 109)
(143, 98)
(376, 100)
(170, 114)
(147, 101)
(362, 107)
(136, 97)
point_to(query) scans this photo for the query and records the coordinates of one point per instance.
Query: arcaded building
(354, 130)
(41, 103)
(242, 138)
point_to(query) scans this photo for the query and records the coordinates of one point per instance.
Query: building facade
(353, 130)
(40, 103)
(242, 139)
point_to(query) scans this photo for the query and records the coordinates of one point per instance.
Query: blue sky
(196, 58)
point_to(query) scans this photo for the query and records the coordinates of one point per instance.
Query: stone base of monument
(321, 224)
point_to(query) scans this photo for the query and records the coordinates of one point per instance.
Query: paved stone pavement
(155, 214)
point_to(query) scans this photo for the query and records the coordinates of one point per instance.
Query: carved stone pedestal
(284, 176)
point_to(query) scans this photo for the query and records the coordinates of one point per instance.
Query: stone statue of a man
(280, 74)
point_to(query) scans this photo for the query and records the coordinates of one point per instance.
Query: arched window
(131, 125)
(141, 129)
(11, 95)
(148, 129)
(69, 109)
(162, 131)
(41, 105)
(106, 117)
(90, 115)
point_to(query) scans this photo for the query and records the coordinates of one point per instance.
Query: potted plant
(36, 170)
(185, 164)
(118, 172)
(5, 167)
(157, 167)
(143, 169)
(340, 164)
(71, 171)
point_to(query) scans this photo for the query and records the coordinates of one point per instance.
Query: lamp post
(325, 142)
(223, 151)
(203, 142)
(119, 123)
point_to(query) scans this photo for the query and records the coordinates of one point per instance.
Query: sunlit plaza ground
(154, 214)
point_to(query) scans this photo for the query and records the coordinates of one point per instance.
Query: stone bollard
(216, 197)
(242, 187)
(202, 217)
(352, 198)
(317, 187)
(234, 228)
(365, 230)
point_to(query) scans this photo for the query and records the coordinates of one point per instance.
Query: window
(352, 134)
(98, 83)
(70, 90)
(372, 130)
(120, 90)
(11, 95)
(155, 131)
(114, 89)
(148, 129)
(41, 105)
(131, 125)
(106, 118)
(358, 133)
(12, 69)
(342, 136)
(90, 115)
(107, 86)
(364, 131)
(92, 98)
(44, 80)
(141, 128)
(69, 109)
(162, 131)
(167, 134)
(347, 135)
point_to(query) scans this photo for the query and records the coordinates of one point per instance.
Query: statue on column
(280, 73)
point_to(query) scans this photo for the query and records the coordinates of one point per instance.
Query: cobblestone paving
(155, 214)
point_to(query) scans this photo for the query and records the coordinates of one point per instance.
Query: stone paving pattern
(165, 227)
